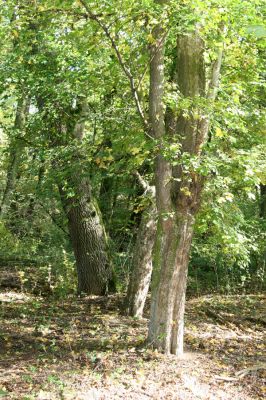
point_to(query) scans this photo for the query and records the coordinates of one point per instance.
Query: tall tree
(178, 191)
(87, 232)
(178, 185)
(57, 124)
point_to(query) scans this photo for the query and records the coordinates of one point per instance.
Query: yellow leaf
(109, 158)
(186, 191)
(134, 150)
(219, 133)
(15, 33)
(150, 38)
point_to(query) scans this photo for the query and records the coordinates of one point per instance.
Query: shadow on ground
(85, 349)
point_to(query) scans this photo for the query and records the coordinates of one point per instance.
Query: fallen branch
(247, 371)
(226, 378)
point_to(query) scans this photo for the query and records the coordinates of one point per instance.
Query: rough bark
(88, 238)
(86, 228)
(169, 283)
(140, 278)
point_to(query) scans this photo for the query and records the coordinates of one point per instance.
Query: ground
(84, 349)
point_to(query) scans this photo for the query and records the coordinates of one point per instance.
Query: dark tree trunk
(15, 155)
(86, 228)
(88, 238)
(107, 200)
(263, 201)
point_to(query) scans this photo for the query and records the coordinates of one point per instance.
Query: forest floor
(83, 349)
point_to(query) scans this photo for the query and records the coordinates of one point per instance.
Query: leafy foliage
(56, 56)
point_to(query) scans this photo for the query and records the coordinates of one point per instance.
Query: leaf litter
(84, 349)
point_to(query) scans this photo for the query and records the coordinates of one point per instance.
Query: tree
(87, 232)
(147, 101)
(59, 127)
(178, 185)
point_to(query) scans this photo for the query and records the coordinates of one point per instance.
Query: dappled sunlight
(15, 297)
(51, 349)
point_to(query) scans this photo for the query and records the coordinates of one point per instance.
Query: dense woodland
(132, 178)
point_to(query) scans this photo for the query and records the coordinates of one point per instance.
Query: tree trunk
(88, 238)
(15, 155)
(141, 264)
(169, 283)
(178, 189)
(86, 228)
(263, 201)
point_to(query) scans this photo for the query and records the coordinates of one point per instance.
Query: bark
(88, 238)
(169, 283)
(86, 228)
(263, 201)
(33, 200)
(141, 264)
(177, 190)
(15, 156)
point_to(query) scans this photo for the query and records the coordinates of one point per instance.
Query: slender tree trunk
(15, 156)
(141, 264)
(263, 201)
(107, 199)
(33, 200)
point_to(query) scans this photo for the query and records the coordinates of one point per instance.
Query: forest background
(104, 106)
(132, 145)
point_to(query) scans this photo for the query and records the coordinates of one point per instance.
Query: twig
(70, 12)
(226, 378)
(142, 181)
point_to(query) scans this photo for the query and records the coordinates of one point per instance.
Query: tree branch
(144, 184)
(54, 220)
(215, 75)
(71, 12)
(216, 70)
(122, 63)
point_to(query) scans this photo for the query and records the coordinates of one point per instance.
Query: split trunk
(178, 189)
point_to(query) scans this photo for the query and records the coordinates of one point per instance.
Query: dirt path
(85, 350)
